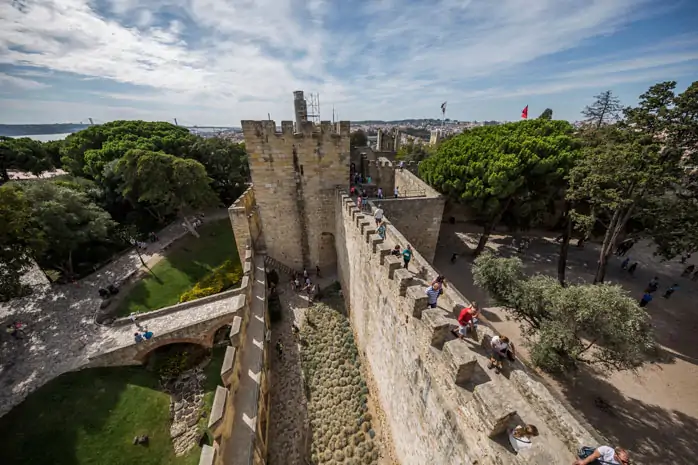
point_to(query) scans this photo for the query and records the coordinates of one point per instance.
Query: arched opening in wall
(327, 252)
(222, 336)
(169, 361)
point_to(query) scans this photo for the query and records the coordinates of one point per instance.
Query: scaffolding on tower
(313, 105)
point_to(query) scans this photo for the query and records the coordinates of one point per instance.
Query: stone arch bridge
(193, 322)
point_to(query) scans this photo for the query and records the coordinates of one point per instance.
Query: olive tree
(568, 326)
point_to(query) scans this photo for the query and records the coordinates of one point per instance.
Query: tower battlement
(268, 129)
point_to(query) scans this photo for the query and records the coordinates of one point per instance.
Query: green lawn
(189, 260)
(91, 416)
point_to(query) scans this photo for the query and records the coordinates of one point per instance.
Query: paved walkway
(653, 410)
(239, 448)
(61, 334)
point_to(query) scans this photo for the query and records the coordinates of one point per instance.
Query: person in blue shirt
(433, 292)
(647, 298)
(407, 255)
(147, 334)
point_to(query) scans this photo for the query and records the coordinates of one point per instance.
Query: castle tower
(295, 175)
(300, 107)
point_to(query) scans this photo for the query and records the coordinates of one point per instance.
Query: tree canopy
(23, 154)
(605, 109)
(166, 183)
(358, 138)
(547, 114)
(568, 326)
(496, 168)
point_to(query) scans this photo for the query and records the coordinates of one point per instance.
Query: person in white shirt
(605, 455)
(500, 349)
(378, 215)
(521, 437)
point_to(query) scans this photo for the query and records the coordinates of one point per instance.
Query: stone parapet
(442, 403)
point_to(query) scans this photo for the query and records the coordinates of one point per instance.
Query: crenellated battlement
(442, 403)
(268, 129)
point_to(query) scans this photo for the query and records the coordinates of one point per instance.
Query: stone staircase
(278, 266)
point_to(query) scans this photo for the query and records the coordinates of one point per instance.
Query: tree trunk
(70, 263)
(605, 249)
(565, 245)
(487, 230)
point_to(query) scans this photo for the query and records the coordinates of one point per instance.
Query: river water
(46, 137)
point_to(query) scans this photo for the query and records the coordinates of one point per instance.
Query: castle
(441, 403)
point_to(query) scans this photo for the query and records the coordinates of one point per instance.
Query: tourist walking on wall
(602, 455)
(378, 215)
(433, 292)
(380, 194)
(407, 255)
(381, 231)
(396, 192)
(689, 269)
(137, 337)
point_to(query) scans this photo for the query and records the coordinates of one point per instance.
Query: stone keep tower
(295, 174)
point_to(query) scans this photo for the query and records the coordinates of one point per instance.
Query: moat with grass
(322, 410)
(94, 416)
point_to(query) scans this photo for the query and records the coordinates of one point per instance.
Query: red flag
(524, 113)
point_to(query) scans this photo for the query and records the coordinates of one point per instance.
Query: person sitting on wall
(467, 321)
(603, 455)
(396, 250)
(521, 437)
(500, 349)
(137, 337)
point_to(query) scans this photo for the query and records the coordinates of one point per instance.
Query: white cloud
(8, 82)
(243, 57)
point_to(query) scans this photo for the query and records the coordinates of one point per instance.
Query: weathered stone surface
(417, 372)
(235, 331)
(228, 364)
(218, 408)
(208, 455)
(438, 325)
(492, 401)
(555, 414)
(463, 361)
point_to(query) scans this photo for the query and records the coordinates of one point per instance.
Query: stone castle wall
(442, 404)
(418, 218)
(247, 226)
(295, 175)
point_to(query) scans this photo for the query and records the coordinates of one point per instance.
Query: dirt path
(653, 411)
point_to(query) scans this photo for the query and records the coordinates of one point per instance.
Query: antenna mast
(313, 104)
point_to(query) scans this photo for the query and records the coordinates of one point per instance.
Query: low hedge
(220, 279)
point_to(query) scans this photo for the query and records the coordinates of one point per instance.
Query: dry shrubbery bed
(337, 407)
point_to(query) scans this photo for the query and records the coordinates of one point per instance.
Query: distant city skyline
(216, 62)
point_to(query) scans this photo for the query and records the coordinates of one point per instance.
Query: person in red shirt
(466, 320)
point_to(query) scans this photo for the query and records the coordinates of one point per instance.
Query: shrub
(220, 279)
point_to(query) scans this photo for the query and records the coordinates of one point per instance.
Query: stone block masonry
(247, 226)
(419, 220)
(295, 175)
(442, 404)
(409, 185)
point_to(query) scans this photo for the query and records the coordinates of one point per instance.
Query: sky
(216, 62)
